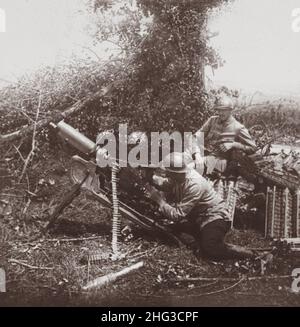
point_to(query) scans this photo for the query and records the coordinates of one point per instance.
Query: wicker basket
(282, 213)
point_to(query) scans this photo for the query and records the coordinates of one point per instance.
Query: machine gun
(103, 185)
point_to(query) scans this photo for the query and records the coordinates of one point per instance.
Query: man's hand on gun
(153, 194)
(226, 146)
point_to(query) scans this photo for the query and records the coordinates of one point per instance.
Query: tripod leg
(67, 200)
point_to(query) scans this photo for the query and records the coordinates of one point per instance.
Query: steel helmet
(176, 162)
(224, 103)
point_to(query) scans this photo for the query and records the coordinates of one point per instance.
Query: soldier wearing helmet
(197, 210)
(222, 135)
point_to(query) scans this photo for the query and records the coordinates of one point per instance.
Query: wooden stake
(103, 280)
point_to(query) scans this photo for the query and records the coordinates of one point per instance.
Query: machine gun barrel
(74, 137)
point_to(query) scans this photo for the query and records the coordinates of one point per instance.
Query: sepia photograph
(150, 155)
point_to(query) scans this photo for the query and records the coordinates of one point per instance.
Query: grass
(60, 273)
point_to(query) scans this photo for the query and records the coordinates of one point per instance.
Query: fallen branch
(55, 240)
(225, 279)
(222, 290)
(12, 195)
(261, 249)
(79, 105)
(26, 207)
(203, 286)
(73, 239)
(33, 142)
(31, 193)
(19, 153)
(103, 280)
(75, 108)
(27, 265)
(202, 294)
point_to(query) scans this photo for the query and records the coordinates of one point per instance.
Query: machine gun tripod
(90, 183)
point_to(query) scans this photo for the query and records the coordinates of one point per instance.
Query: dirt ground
(50, 270)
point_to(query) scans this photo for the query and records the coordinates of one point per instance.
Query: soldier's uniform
(195, 199)
(216, 132)
(196, 209)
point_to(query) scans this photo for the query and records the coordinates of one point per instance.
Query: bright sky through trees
(255, 39)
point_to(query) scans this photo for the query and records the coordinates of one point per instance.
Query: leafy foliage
(279, 118)
(167, 42)
(157, 76)
(155, 81)
(59, 88)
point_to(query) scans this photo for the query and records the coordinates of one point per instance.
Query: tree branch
(33, 142)
(79, 105)
(27, 265)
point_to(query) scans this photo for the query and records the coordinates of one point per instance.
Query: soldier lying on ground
(222, 134)
(197, 211)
